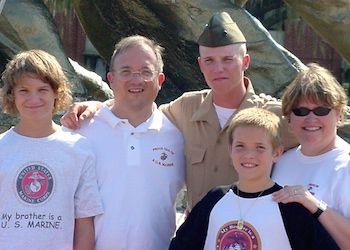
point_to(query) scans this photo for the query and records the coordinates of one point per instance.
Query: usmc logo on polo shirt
(162, 156)
(34, 184)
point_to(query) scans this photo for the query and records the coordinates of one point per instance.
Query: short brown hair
(260, 118)
(316, 84)
(44, 66)
(137, 40)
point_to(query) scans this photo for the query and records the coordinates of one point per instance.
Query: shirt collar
(154, 122)
(206, 111)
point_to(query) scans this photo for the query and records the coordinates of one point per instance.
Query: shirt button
(132, 133)
(132, 147)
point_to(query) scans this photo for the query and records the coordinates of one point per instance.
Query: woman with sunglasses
(317, 173)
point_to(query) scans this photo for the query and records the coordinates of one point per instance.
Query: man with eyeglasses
(140, 159)
(203, 116)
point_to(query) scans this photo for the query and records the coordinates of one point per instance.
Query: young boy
(48, 186)
(244, 216)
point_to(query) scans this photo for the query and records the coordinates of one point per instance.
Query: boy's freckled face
(252, 153)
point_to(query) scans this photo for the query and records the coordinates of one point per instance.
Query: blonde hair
(242, 49)
(42, 65)
(134, 41)
(259, 118)
(315, 84)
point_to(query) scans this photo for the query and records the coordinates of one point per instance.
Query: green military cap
(221, 31)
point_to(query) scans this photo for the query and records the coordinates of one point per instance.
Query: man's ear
(246, 62)
(161, 79)
(110, 77)
(199, 61)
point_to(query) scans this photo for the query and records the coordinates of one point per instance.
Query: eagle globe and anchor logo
(34, 184)
(234, 236)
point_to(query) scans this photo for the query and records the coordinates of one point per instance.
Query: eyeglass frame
(131, 74)
(318, 111)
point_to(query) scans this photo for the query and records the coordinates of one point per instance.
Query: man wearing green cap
(202, 116)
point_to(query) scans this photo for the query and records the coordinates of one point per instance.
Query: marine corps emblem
(34, 184)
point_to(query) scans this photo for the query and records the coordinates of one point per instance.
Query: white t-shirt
(222, 229)
(223, 114)
(139, 171)
(45, 184)
(327, 176)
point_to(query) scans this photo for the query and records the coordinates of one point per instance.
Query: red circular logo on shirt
(34, 184)
(231, 238)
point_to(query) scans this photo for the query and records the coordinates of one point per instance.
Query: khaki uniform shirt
(208, 162)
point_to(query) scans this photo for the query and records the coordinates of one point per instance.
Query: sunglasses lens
(321, 111)
(301, 111)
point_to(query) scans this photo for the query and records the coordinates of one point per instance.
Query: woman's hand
(297, 194)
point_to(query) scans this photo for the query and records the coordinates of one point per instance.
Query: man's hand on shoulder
(78, 112)
(268, 98)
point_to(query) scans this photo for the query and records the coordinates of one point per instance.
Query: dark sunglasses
(319, 111)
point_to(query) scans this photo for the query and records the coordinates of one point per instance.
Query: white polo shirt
(139, 171)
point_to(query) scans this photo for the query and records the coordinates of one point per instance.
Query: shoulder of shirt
(216, 193)
(288, 153)
(212, 197)
(166, 124)
(75, 144)
(219, 190)
(78, 145)
(294, 209)
(71, 137)
(342, 144)
(102, 116)
(5, 138)
(2, 135)
(196, 92)
(194, 95)
(266, 103)
(189, 100)
(164, 118)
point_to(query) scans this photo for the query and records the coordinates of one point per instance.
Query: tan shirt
(208, 162)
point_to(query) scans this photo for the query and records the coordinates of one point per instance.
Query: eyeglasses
(145, 74)
(319, 111)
